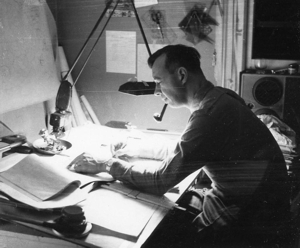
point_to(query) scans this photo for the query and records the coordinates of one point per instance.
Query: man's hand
(154, 148)
(130, 148)
(117, 146)
(89, 164)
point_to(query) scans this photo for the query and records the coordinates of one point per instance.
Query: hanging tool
(156, 17)
(216, 2)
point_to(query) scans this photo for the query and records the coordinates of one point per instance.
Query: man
(235, 149)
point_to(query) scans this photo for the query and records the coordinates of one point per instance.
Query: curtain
(230, 53)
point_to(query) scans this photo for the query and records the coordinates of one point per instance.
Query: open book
(45, 182)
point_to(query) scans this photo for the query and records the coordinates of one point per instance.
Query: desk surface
(98, 207)
(28, 235)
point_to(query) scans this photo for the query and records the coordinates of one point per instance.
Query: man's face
(168, 85)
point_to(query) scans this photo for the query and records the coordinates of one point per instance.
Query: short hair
(176, 56)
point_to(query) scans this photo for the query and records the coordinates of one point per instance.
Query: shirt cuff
(108, 164)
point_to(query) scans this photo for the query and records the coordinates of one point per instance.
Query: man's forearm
(144, 176)
(152, 148)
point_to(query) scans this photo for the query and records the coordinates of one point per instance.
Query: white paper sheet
(59, 202)
(144, 73)
(117, 212)
(143, 3)
(121, 52)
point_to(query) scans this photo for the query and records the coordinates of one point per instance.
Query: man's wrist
(108, 164)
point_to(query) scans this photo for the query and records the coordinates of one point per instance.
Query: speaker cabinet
(275, 94)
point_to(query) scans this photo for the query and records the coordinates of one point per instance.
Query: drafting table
(138, 214)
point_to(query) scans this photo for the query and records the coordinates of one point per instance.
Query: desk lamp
(142, 88)
(60, 117)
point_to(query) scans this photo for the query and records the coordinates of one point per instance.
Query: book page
(117, 212)
(43, 177)
(37, 178)
(61, 201)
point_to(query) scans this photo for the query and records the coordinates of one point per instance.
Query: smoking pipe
(158, 117)
(71, 223)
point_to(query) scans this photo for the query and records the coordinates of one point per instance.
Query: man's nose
(157, 91)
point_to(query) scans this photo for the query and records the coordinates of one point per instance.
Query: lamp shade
(138, 88)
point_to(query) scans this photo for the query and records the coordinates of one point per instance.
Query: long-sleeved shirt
(229, 142)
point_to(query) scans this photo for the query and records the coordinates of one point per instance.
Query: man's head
(173, 68)
(176, 56)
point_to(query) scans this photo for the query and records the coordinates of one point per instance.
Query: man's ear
(182, 75)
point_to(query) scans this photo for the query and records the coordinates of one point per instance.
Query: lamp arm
(141, 27)
(91, 51)
(90, 35)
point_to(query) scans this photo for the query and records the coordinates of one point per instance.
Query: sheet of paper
(76, 197)
(42, 177)
(144, 3)
(121, 52)
(144, 73)
(36, 178)
(9, 161)
(121, 188)
(117, 212)
(126, 4)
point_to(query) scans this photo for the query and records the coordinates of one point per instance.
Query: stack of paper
(45, 182)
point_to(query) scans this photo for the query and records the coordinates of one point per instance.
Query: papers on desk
(45, 182)
(119, 187)
(60, 201)
(136, 208)
(117, 212)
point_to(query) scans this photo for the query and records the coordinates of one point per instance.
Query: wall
(28, 65)
(75, 20)
(271, 64)
(28, 121)
(28, 54)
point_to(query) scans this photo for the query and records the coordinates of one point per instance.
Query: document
(38, 179)
(117, 212)
(17, 199)
(121, 52)
(144, 3)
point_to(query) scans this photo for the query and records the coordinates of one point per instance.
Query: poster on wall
(144, 3)
(121, 52)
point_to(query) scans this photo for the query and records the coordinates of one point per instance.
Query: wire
(95, 43)
(90, 35)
